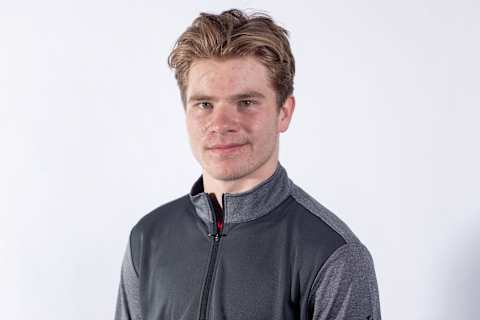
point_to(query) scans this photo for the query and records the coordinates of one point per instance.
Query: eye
(246, 103)
(204, 105)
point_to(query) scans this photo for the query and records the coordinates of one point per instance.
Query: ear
(286, 113)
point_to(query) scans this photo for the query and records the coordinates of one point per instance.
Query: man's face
(232, 118)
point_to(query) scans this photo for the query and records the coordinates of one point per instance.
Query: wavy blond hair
(234, 33)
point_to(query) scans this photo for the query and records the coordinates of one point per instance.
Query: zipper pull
(216, 237)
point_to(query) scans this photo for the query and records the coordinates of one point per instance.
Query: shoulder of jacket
(320, 211)
(349, 269)
(143, 229)
(160, 213)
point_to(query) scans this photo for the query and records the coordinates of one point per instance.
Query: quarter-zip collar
(247, 205)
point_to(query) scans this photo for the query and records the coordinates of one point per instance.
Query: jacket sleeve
(346, 286)
(128, 297)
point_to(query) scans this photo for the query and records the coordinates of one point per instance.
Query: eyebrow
(244, 95)
(247, 95)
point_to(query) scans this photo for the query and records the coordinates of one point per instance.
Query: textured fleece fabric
(282, 256)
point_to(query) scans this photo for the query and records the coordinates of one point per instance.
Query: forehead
(227, 76)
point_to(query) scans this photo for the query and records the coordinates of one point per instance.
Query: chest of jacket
(259, 269)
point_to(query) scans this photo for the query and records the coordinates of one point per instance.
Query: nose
(223, 120)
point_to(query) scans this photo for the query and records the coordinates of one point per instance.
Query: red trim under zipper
(218, 213)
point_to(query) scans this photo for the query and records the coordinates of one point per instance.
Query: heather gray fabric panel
(252, 204)
(346, 286)
(248, 205)
(128, 298)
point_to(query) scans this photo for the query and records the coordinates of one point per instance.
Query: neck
(217, 187)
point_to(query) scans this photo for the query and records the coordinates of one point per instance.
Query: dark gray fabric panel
(323, 213)
(346, 285)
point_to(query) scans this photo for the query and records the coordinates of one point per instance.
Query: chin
(234, 167)
(228, 170)
(227, 173)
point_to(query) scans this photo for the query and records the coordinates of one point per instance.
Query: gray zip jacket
(273, 252)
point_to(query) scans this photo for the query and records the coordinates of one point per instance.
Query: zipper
(218, 226)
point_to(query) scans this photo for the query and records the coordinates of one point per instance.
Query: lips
(228, 149)
(225, 146)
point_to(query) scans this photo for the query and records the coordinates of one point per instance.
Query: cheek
(193, 125)
(263, 131)
(193, 132)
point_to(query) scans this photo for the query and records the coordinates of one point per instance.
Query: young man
(246, 242)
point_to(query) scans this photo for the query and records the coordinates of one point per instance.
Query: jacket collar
(247, 205)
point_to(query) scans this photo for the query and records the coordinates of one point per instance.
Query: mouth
(225, 148)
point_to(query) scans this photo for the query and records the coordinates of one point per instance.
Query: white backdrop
(92, 137)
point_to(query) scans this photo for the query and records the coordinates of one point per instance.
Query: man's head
(235, 34)
(235, 74)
